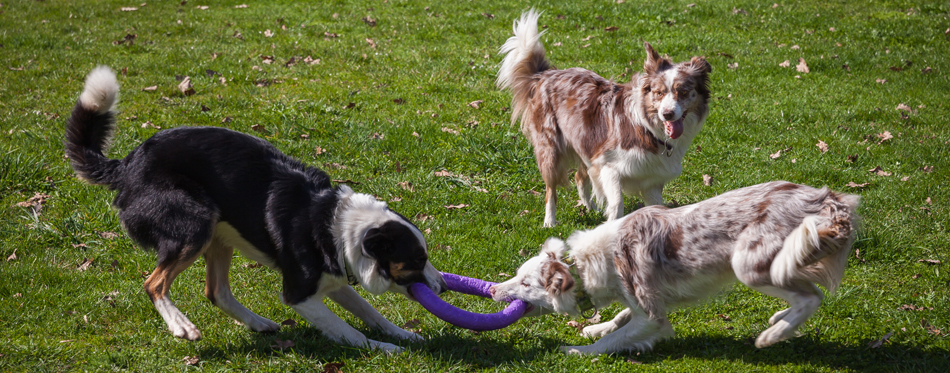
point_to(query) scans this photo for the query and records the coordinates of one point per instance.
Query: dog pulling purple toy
(465, 319)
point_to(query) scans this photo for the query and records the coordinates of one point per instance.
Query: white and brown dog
(622, 138)
(778, 238)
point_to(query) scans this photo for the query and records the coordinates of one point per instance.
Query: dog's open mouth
(675, 128)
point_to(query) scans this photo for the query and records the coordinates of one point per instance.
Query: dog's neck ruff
(581, 297)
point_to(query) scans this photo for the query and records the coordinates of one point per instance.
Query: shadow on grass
(808, 350)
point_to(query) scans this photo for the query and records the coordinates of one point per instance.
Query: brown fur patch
(673, 244)
(557, 278)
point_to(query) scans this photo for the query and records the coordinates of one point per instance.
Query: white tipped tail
(101, 90)
(799, 246)
(523, 45)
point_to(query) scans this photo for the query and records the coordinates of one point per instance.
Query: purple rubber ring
(465, 319)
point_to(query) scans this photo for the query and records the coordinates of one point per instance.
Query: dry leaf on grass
(882, 81)
(86, 263)
(289, 323)
(786, 63)
(190, 360)
(128, 9)
(240, 6)
(775, 155)
(281, 344)
(318, 150)
(903, 107)
(371, 43)
(35, 203)
(476, 103)
(802, 67)
(150, 88)
(12, 256)
(449, 130)
(929, 261)
(911, 307)
(611, 28)
(413, 326)
(852, 184)
(443, 173)
(707, 180)
(406, 185)
(369, 21)
(459, 206)
(333, 367)
(879, 171)
(108, 235)
(258, 128)
(202, 7)
(822, 146)
(185, 87)
(880, 342)
(884, 136)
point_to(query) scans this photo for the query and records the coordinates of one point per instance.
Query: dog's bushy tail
(90, 127)
(817, 250)
(524, 57)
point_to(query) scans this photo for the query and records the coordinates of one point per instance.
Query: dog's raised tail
(524, 57)
(817, 250)
(90, 126)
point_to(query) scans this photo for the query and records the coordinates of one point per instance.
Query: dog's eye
(524, 283)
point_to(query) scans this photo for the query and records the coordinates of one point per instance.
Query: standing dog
(203, 191)
(623, 138)
(778, 238)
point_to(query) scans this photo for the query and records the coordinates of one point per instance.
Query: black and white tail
(817, 251)
(524, 57)
(90, 126)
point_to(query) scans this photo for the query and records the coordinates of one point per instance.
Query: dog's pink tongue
(674, 129)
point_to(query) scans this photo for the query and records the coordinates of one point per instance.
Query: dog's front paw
(778, 316)
(262, 325)
(388, 348)
(599, 330)
(185, 331)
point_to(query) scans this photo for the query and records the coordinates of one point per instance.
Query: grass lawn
(383, 100)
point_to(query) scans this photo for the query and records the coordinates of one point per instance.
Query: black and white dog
(203, 191)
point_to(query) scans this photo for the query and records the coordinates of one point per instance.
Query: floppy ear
(700, 65)
(376, 244)
(557, 278)
(653, 62)
(554, 248)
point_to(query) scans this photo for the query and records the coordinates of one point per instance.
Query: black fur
(176, 186)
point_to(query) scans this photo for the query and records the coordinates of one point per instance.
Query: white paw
(598, 330)
(549, 224)
(262, 325)
(405, 335)
(388, 348)
(778, 316)
(780, 332)
(185, 330)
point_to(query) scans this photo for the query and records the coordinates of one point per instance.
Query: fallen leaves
(886, 135)
(86, 263)
(282, 344)
(822, 146)
(930, 261)
(268, 33)
(475, 104)
(12, 256)
(190, 360)
(185, 87)
(333, 367)
(150, 88)
(880, 342)
(707, 180)
(35, 203)
(879, 171)
(450, 130)
(289, 323)
(930, 328)
(786, 63)
(903, 107)
(406, 185)
(611, 28)
(128, 9)
(852, 184)
(413, 326)
(911, 307)
(455, 207)
(802, 67)
(128, 39)
(369, 21)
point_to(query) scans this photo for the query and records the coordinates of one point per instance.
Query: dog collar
(669, 148)
(581, 297)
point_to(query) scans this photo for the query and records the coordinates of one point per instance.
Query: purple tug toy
(465, 319)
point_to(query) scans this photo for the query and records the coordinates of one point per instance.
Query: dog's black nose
(668, 115)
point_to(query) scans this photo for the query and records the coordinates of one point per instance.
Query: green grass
(437, 57)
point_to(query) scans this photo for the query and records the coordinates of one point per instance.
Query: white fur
(765, 235)
(525, 40)
(178, 324)
(101, 90)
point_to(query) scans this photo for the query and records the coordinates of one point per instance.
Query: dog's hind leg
(218, 289)
(583, 182)
(334, 328)
(804, 299)
(350, 300)
(639, 333)
(157, 287)
(604, 328)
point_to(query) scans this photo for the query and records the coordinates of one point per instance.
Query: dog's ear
(557, 278)
(700, 65)
(654, 62)
(554, 248)
(376, 243)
